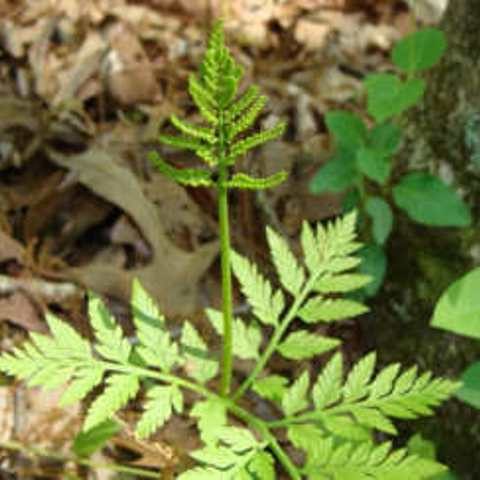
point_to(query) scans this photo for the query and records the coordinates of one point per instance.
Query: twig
(40, 287)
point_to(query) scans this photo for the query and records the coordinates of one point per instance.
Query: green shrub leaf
(388, 96)
(347, 129)
(420, 50)
(458, 309)
(426, 199)
(469, 392)
(374, 264)
(382, 218)
(374, 164)
(86, 444)
(338, 174)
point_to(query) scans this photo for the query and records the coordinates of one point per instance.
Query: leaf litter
(85, 88)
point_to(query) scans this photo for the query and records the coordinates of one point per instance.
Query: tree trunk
(442, 135)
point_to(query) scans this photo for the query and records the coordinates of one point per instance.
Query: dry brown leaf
(86, 63)
(7, 413)
(19, 309)
(173, 275)
(130, 76)
(10, 249)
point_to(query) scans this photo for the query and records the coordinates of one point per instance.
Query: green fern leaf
(119, 391)
(301, 344)
(328, 387)
(198, 363)
(327, 249)
(155, 347)
(248, 118)
(243, 146)
(366, 461)
(245, 182)
(212, 415)
(112, 344)
(272, 387)
(305, 437)
(203, 100)
(183, 143)
(295, 398)
(246, 338)
(161, 401)
(237, 109)
(219, 72)
(372, 401)
(185, 176)
(320, 309)
(290, 272)
(49, 361)
(86, 379)
(67, 339)
(194, 131)
(356, 385)
(341, 283)
(267, 306)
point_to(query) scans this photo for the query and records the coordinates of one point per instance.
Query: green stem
(254, 422)
(40, 452)
(277, 336)
(227, 308)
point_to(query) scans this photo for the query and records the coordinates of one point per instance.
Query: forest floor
(85, 88)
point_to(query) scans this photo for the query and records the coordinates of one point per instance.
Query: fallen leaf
(173, 275)
(20, 310)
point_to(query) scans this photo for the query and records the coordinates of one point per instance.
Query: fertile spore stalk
(214, 92)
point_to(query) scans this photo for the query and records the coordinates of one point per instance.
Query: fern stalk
(227, 302)
(251, 420)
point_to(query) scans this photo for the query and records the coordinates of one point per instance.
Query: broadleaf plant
(331, 415)
(363, 161)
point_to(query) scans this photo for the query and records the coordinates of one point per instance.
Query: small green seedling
(329, 415)
(363, 161)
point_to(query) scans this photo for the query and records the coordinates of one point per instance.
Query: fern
(331, 417)
(214, 93)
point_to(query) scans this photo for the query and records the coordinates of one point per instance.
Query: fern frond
(194, 131)
(248, 118)
(244, 181)
(198, 363)
(119, 391)
(267, 306)
(371, 401)
(161, 401)
(290, 272)
(366, 461)
(301, 344)
(238, 108)
(155, 346)
(191, 177)
(243, 146)
(246, 338)
(111, 343)
(220, 74)
(49, 361)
